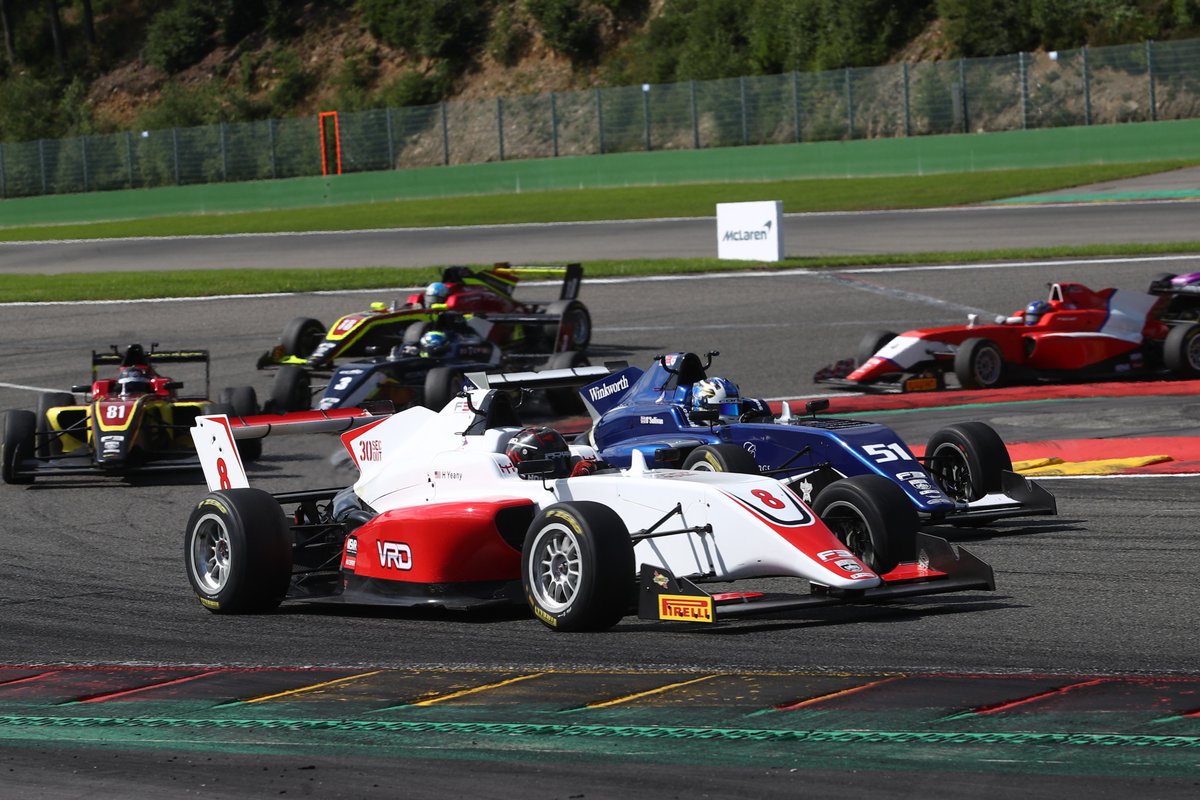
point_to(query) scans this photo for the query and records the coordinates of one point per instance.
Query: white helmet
(719, 394)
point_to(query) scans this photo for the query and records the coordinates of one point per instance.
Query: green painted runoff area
(926, 155)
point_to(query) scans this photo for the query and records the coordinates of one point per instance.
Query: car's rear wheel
(1181, 350)
(871, 343)
(292, 389)
(723, 457)
(442, 384)
(979, 364)
(238, 551)
(873, 517)
(967, 460)
(20, 428)
(566, 400)
(575, 325)
(577, 567)
(414, 332)
(245, 404)
(301, 337)
(48, 443)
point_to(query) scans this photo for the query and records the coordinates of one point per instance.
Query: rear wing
(546, 379)
(572, 275)
(135, 354)
(216, 437)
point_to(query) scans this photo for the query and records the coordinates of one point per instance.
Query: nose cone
(873, 369)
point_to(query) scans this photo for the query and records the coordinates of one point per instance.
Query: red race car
(1075, 334)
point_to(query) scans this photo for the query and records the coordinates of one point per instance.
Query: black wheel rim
(849, 525)
(949, 468)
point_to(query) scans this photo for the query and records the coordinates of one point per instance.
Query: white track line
(700, 276)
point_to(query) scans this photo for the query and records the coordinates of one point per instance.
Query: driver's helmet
(532, 444)
(134, 381)
(436, 293)
(719, 393)
(1035, 310)
(434, 343)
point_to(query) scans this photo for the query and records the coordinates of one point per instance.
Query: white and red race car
(441, 516)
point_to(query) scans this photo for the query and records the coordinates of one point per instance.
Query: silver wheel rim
(580, 329)
(210, 560)
(555, 567)
(703, 466)
(1193, 352)
(987, 366)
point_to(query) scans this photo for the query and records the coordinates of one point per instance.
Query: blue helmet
(434, 343)
(436, 292)
(720, 394)
(1035, 310)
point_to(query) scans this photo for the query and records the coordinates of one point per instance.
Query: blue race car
(677, 416)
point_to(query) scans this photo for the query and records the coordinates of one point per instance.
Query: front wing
(938, 570)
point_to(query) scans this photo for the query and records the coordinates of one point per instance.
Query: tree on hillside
(56, 33)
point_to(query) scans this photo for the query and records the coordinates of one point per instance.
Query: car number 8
(767, 499)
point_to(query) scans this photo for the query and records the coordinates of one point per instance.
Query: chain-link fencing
(1145, 82)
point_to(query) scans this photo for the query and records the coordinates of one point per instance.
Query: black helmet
(533, 444)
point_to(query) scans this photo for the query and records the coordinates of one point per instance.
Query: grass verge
(643, 202)
(207, 283)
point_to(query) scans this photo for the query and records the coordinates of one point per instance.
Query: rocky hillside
(84, 66)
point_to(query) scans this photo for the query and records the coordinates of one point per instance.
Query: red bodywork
(439, 544)
(1083, 329)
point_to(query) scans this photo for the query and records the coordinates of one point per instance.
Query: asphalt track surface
(91, 573)
(851, 233)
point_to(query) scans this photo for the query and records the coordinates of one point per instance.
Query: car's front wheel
(20, 429)
(873, 517)
(871, 343)
(301, 337)
(967, 460)
(292, 389)
(577, 567)
(238, 551)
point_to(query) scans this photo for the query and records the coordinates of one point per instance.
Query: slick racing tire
(723, 457)
(967, 460)
(577, 568)
(1181, 351)
(565, 401)
(414, 332)
(49, 445)
(979, 364)
(20, 428)
(301, 337)
(873, 517)
(245, 404)
(292, 389)
(572, 318)
(238, 551)
(442, 384)
(871, 343)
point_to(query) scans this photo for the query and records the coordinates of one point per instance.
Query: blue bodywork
(650, 412)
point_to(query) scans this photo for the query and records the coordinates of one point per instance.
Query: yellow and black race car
(133, 421)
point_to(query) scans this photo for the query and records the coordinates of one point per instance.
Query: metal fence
(1092, 86)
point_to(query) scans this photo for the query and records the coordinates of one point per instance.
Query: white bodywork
(418, 457)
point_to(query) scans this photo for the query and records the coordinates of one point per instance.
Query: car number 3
(883, 453)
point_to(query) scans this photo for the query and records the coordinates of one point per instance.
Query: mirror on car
(813, 406)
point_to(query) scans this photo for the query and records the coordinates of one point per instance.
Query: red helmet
(533, 444)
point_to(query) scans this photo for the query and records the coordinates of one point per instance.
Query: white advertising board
(750, 231)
